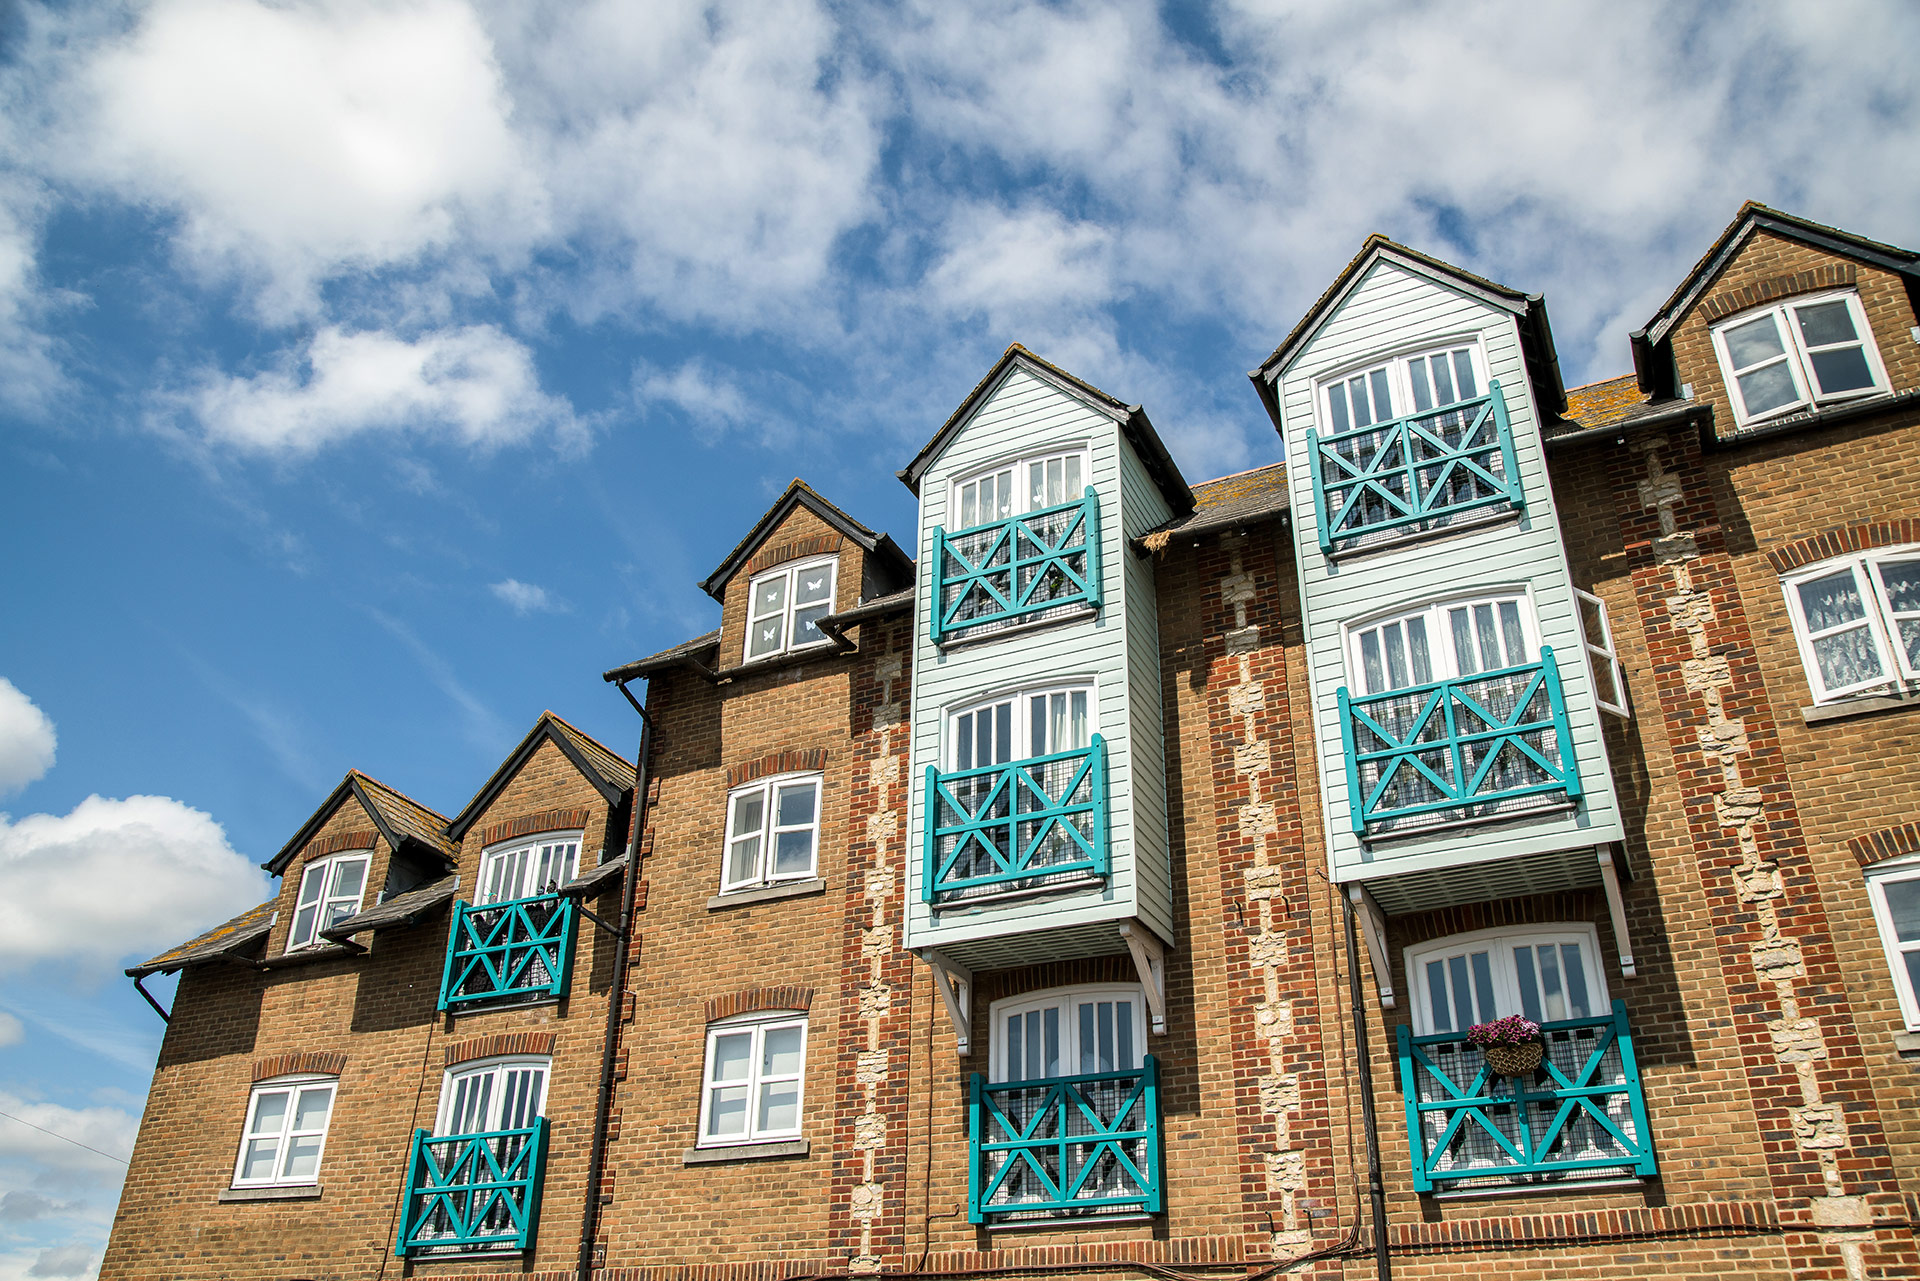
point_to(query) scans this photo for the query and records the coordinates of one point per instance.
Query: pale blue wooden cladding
(1024, 825)
(1010, 570)
(1366, 559)
(1065, 1146)
(1107, 645)
(468, 1192)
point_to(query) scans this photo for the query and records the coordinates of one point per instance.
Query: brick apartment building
(1005, 909)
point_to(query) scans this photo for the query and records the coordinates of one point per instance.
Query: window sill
(767, 894)
(1533, 1189)
(1852, 707)
(283, 1192)
(1907, 1044)
(745, 1152)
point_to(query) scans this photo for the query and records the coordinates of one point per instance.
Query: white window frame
(1603, 655)
(1797, 355)
(496, 1102)
(1022, 484)
(1444, 662)
(1881, 622)
(758, 1023)
(494, 855)
(770, 830)
(322, 919)
(1066, 1000)
(1021, 721)
(293, 1086)
(790, 571)
(1397, 370)
(1877, 880)
(1499, 944)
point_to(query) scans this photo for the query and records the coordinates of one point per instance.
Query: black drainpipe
(1376, 1190)
(597, 1155)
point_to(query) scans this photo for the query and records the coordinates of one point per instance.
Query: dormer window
(1796, 355)
(784, 608)
(330, 892)
(528, 868)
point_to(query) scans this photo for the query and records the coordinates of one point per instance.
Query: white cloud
(63, 1261)
(177, 876)
(475, 384)
(27, 739)
(526, 598)
(299, 140)
(10, 1034)
(708, 397)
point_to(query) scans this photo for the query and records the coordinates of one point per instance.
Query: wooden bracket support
(1616, 907)
(955, 985)
(1373, 927)
(1150, 959)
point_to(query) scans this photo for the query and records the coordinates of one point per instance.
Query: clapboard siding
(1117, 649)
(1390, 310)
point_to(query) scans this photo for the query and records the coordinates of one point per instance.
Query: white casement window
(492, 1095)
(773, 832)
(1415, 384)
(1013, 489)
(1021, 726)
(286, 1131)
(1795, 354)
(1603, 661)
(1895, 892)
(1440, 641)
(1858, 622)
(1548, 973)
(751, 1086)
(1071, 1031)
(785, 605)
(526, 868)
(330, 891)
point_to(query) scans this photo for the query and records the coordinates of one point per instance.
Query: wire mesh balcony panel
(518, 949)
(1065, 1147)
(1417, 473)
(1021, 569)
(1582, 1116)
(468, 1192)
(1475, 747)
(1020, 826)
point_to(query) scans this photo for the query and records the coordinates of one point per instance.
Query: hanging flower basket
(1513, 1046)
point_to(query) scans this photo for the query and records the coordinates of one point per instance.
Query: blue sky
(374, 375)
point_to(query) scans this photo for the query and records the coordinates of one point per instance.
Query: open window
(331, 889)
(773, 832)
(1798, 354)
(526, 868)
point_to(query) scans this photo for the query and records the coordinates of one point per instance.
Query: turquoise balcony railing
(1024, 825)
(472, 1191)
(1581, 1116)
(1065, 1147)
(1018, 568)
(1474, 747)
(1414, 473)
(520, 948)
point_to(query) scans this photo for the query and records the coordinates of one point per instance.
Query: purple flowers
(1515, 1029)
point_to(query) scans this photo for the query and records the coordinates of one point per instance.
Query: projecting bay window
(1067, 1124)
(473, 1181)
(1022, 806)
(330, 891)
(1459, 717)
(1857, 619)
(1579, 1117)
(1024, 547)
(1796, 355)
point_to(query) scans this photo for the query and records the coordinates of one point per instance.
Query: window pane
(1396, 656)
(1483, 987)
(347, 878)
(1767, 388)
(269, 1112)
(1903, 906)
(743, 860)
(780, 1106)
(1417, 651)
(1050, 1021)
(1578, 1004)
(1016, 1051)
(1382, 401)
(303, 1158)
(1417, 376)
(815, 586)
(969, 506)
(1035, 1048)
(1077, 715)
(310, 1113)
(1832, 601)
(767, 635)
(1463, 374)
(793, 852)
(1105, 1019)
(1357, 392)
(337, 912)
(1755, 341)
(781, 1055)
(749, 812)
(1457, 981)
(1842, 369)
(1510, 632)
(731, 1056)
(1913, 969)
(1529, 987)
(1462, 642)
(806, 626)
(1900, 579)
(259, 1160)
(1443, 393)
(1037, 725)
(796, 804)
(1337, 408)
(1087, 1059)
(770, 597)
(1825, 323)
(1123, 1026)
(1847, 658)
(1003, 733)
(1370, 662)
(1437, 997)
(1553, 997)
(303, 926)
(727, 1112)
(1489, 639)
(1076, 487)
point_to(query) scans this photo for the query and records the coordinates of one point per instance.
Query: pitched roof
(610, 774)
(400, 819)
(1133, 421)
(227, 939)
(801, 494)
(685, 653)
(1536, 333)
(1226, 503)
(401, 909)
(1754, 216)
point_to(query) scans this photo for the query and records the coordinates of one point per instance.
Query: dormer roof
(403, 822)
(1133, 422)
(801, 494)
(610, 774)
(1536, 334)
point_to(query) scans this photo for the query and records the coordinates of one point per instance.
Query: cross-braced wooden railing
(520, 948)
(1065, 1146)
(1017, 568)
(472, 1191)
(1015, 826)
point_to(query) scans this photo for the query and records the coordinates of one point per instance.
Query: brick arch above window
(1890, 842)
(1842, 540)
(320, 1063)
(568, 820)
(809, 760)
(752, 999)
(502, 1043)
(339, 841)
(818, 545)
(1833, 275)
